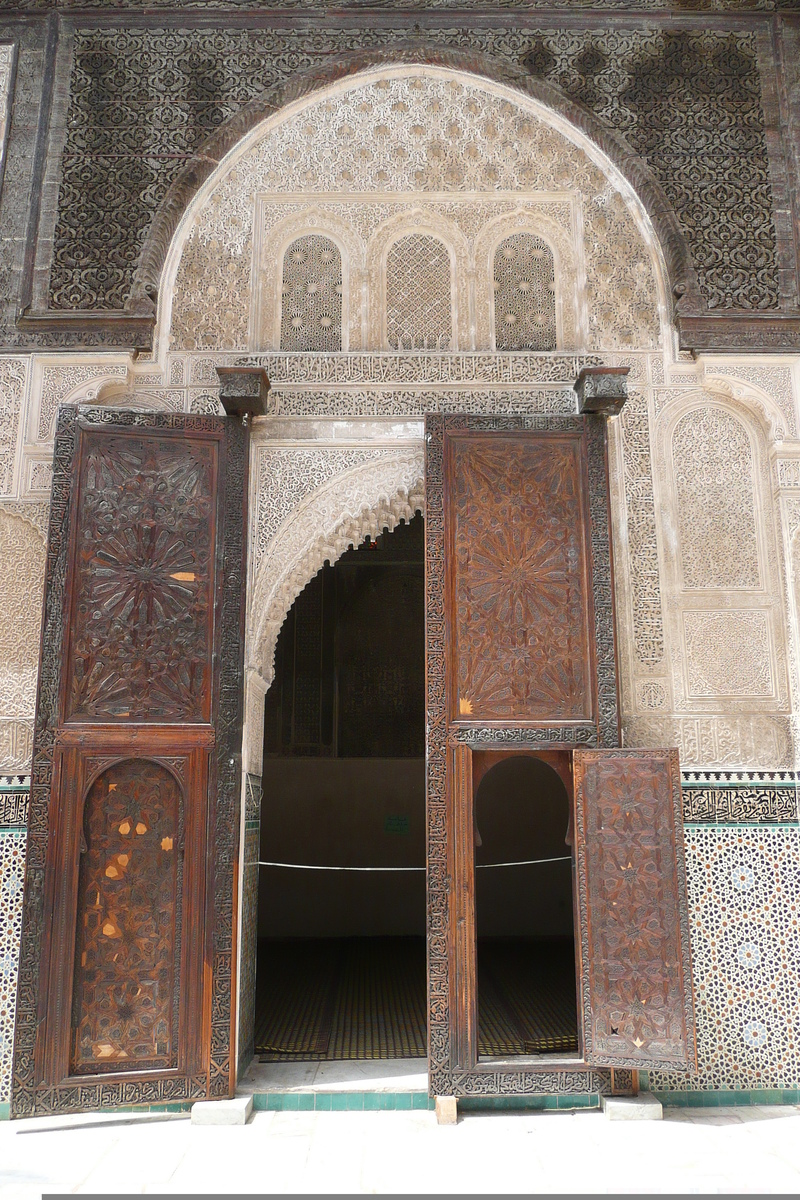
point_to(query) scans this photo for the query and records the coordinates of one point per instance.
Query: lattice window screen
(311, 295)
(524, 294)
(418, 308)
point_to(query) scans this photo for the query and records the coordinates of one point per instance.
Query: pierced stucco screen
(311, 295)
(524, 294)
(418, 294)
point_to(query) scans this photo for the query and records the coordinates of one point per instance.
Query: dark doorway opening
(527, 996)
(341, 952)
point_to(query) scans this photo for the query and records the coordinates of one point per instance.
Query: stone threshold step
(375, 1101)
(340, 1101)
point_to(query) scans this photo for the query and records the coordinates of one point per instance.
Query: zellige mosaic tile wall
(13, 816)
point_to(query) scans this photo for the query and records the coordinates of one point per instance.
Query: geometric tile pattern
(744, 914)
(12, 868)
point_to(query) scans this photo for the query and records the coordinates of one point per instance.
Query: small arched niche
(527, 998)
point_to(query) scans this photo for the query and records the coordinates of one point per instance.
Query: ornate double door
(521, 659)
(127, 970)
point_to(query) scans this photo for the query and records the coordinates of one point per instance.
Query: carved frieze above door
(128, 947)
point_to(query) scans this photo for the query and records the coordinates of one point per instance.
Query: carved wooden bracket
(243, 391)
(602, 390)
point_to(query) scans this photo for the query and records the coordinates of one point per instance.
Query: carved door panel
(128, 946)
(635, 966)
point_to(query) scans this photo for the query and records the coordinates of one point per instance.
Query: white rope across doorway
(528, 862)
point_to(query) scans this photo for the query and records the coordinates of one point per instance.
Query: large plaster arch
(523, 145)
(204, 164)
(363, 501)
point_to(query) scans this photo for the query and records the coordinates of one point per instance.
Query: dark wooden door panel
(631, 907)
(141, 622)
(126, 982)
(126, 966)
(519, 573)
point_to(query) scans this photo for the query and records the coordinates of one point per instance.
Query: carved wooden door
(128, 944)
(635, 966)
(521, 656)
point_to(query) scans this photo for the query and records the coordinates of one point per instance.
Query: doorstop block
(644, 1107)
(222, 1112)
(446, 1110)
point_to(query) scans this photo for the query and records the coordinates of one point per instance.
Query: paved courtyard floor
(690, 1151)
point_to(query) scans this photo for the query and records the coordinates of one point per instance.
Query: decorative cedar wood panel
(519, 589)
(580, 677)
(126, 998)
(636, 983)
(125, 992)
(141, 624)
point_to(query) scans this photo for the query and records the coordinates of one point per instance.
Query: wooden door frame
(31, 1094)
(452, 1011)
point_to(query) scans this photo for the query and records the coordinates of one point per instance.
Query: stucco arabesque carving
(422, 131)
(560, 229)
(340, 513)
(13, 379)
(23, 539)
(72, 382)
(752, 723)
(364, 228)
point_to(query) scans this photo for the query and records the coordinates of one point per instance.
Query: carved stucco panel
(726, 632)
(749, 740)
(728, 654)
(419, 130)
(302, 532)
(13, 378)
(6, 63)
(773, 380)
(711, 459)
(280, 222)
(564, 240)
(57, 382)
(23, 540)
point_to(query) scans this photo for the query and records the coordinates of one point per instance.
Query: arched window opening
(311, 295)
(418, 294)
(527, 1000)
(524, 294)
